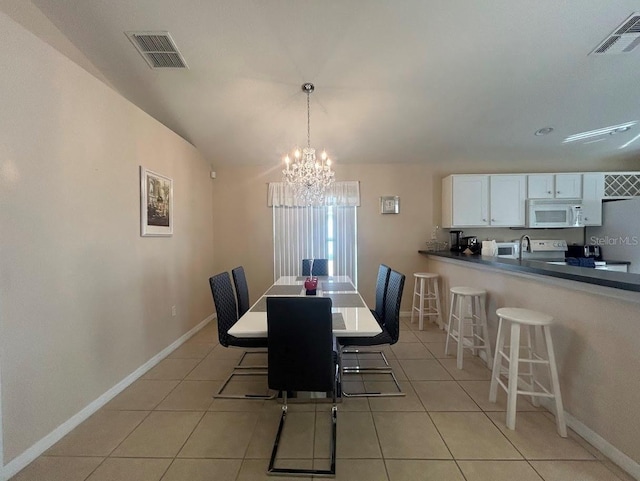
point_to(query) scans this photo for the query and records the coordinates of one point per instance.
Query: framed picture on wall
(390, 205)
(156, 204)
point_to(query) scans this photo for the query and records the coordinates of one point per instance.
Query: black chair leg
(371, 370)
(219, 395)
(331, 472)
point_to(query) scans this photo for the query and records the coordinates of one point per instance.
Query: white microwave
(508, 249)
(554, 213)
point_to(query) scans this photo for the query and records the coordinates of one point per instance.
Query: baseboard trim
(605, 447)
(29, 455)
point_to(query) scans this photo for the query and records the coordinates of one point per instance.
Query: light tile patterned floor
(167, 427)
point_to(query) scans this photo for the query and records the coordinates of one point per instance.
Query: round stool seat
(524, 316)
(468, 291)
(425, 275)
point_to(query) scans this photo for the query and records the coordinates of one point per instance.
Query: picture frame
(390, 204)
(156, 204)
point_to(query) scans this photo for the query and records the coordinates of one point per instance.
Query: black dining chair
(302, 357)
(389, 336)
(242, 290)
(320, 267)
(381, 293)
(306, 267)
(227, 316)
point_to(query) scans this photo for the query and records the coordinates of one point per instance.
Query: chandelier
(308, 176)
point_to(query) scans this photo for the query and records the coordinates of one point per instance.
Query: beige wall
(595, 339)
(244, 224)
(84, 300)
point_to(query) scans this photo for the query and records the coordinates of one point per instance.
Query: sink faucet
(520, 250)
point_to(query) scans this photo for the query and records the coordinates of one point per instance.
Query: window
(307, 232)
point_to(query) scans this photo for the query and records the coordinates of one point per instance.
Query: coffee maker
(455, 240)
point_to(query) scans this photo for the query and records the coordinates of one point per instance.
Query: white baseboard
(29, 455)
(605, 447)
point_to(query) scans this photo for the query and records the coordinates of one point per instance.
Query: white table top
(358, 321)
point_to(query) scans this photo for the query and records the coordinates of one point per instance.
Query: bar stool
(511, 353)
(426, 290)
(468, 309)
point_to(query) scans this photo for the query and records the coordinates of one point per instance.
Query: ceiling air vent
(623, 40)
(158, 49)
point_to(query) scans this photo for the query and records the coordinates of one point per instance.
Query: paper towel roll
(488, 248)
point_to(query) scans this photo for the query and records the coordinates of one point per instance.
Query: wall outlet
(173, 311)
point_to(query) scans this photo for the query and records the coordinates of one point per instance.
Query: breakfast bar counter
(596, 335)
(596, 277)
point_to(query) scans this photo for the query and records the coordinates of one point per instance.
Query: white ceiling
(435, 81)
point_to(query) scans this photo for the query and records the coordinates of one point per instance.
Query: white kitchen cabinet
(568, 186)
(507, 194)
(558, 186)
(540, 186)
(483, 200)
(592, 194)
(465, 201)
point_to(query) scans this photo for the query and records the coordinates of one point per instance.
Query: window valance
(345, 193)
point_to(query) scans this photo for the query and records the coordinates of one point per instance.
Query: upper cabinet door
(568, 186)
(592, 194)
(540, 186)
(470, 200)
(508, 193)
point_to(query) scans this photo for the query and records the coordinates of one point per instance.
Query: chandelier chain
(308, 121)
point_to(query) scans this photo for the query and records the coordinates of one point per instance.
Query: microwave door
(551, 217)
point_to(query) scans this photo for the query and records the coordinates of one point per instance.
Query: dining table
(351, 316)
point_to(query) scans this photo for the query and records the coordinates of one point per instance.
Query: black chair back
(320, 267)
(392, 305)
(381, 292)
(242, 290)
(306, 267)
(225, 302)
(300, 344)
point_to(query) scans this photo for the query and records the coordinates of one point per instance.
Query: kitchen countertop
(617, 280)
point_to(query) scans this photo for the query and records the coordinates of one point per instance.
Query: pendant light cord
(308, 123)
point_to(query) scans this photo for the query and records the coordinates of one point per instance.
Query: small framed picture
(390, 205)
(156, 204)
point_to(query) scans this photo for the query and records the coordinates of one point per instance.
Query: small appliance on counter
(471, 243)
(584, 251)
(456, 237)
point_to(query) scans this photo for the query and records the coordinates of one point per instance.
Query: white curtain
(310, 232)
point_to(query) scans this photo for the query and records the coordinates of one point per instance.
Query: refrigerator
(619, 235)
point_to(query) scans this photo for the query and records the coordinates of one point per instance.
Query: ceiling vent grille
(624, 39)
(158, 49)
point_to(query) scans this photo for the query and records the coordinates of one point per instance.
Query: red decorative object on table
(310, 285)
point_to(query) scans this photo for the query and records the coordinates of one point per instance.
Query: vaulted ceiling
(434, 81)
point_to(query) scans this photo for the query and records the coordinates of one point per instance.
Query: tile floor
(167, 427)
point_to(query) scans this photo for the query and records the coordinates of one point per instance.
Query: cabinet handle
(557, 191)
(548, 192)
(484, 220)
(493, 220)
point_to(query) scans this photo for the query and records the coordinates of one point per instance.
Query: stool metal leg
(555, 383)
